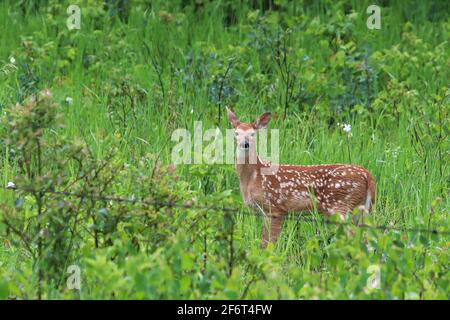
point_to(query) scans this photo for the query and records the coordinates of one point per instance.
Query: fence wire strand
(170, 204)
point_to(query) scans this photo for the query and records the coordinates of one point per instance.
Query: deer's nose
(244, 145)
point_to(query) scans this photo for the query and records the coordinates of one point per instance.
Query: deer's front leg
(271, 229)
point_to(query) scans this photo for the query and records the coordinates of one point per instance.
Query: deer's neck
(248, 174)
(247, 164)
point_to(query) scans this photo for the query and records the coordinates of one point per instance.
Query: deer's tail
(371, 192)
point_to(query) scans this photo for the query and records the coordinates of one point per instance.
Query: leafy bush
(89, 169)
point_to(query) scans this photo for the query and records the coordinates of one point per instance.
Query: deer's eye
(252, 134)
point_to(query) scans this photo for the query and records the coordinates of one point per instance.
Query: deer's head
(245, 133)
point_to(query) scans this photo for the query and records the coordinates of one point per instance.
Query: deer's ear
(232, 117)
(262, 121)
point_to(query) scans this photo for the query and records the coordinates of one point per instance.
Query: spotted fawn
(279, 189)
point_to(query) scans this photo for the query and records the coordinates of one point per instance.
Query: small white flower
(11, 185)
(69, 100)
(12, 60)
(46, 93)
(370, 248)
(192, 110)
(347, 127)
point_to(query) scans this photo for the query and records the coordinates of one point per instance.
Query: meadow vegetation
(86, 123)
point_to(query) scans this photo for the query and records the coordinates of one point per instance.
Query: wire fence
(171, 204)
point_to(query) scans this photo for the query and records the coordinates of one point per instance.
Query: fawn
(279, 189)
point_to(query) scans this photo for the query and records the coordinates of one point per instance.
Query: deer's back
(335, 188)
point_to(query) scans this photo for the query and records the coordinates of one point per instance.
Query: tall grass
(175, 54)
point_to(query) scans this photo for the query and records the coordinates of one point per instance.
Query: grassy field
(130, 76)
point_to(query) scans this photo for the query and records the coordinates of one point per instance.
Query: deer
(277, 190)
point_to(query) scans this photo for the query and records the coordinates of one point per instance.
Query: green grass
(397, 132)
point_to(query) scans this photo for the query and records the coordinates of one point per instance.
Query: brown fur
(331, 188)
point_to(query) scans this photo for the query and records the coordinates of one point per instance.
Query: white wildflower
(69, 100)
(11, 185)
(46, 93)
(12, 60)
(370, 248)
(347, 127)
